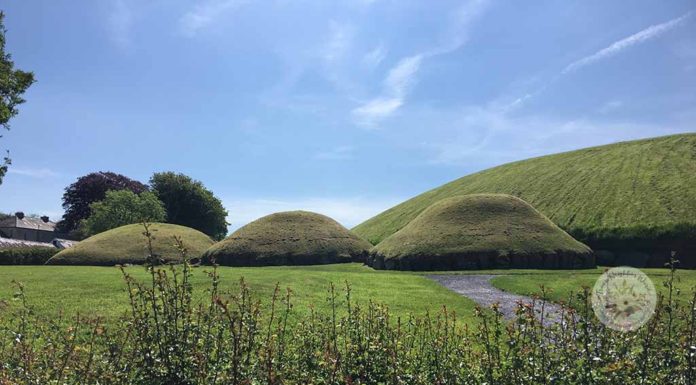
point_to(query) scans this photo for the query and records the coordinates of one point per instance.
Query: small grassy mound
(289, 238)
(480, 231)
(635, 199)
(127, 244)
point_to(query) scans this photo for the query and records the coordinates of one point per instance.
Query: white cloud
(637, 38)
(120, 23)
(482, 137)
(40, 173)
(375, 57)
(401, 77)
(347, 211)
(376, 109)
(339, 42)
(395, 88)
(338, 153)
(205, 13)
(610, 106)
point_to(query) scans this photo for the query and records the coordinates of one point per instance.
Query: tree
(189, 203)
(89, 189)
(13, 83)
(121, 208)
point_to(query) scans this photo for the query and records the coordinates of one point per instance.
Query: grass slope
(630, 194)
(126, 244)
(480, 231)
(100, 291)
(289, 238)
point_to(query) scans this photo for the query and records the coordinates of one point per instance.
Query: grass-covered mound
(289, 238)
(636, 199)
(127, 244)
(480, 231)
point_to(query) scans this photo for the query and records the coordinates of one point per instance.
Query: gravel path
(479, 289)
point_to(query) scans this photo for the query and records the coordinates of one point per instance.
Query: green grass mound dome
(127, 244)
(480, 231)
(633, 201)
(289, 238)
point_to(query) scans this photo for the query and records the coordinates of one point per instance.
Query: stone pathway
(479, 289)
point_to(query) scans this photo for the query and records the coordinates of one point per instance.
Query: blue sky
(344, 107)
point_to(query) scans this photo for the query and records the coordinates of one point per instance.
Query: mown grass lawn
(564, 283)
(101, 290)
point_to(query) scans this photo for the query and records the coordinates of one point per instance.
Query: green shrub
(26, 255)
(120, 208)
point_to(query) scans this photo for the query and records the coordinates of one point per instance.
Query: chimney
(44, 218)
(19, 215)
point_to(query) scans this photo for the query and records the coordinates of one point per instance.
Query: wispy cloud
(40, 173)
(610, 106)
(402, 76)
(483, 136)
(395, 88)
(205, 13)
(120, 23)
(376, 109)
(348, 211)
(375, 57)
(615, 48)
(338, 153)
(338, 43)
(637, 38)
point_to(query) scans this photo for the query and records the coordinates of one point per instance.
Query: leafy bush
(170, 338)
(120, 208)
(26, 255)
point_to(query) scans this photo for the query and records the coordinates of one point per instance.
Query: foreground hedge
(168, 338)
(26, 255)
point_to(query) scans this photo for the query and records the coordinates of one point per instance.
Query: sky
(343, 107)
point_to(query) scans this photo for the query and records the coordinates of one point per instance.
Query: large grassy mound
(480, 231)
(127, 244)
(289, 238)
(636, 199)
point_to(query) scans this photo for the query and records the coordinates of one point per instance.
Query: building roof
(28, 223)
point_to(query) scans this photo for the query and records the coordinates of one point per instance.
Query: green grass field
(101, 290)
(565, 283)
(622, 187)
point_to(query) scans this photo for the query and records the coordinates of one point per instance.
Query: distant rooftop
(19, 220)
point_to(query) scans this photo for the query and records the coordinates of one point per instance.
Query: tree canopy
(189, 203)
(13, 84)
(89, 189)
(121, 208)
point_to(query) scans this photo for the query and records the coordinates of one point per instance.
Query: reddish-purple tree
(89, 189)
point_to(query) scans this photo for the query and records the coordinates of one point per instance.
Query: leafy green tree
(189, 203)
(123, 207)
(13, 83)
